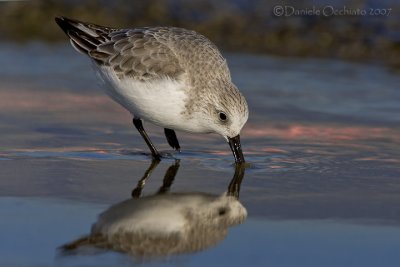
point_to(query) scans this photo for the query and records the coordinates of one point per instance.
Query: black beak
(236, 148)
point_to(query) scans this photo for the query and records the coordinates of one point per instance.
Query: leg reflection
(233, 187)
(167, 182)
(138, 190)
(169, 177)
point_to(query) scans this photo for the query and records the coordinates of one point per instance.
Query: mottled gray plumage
(171, 69)
(146, 53)
(162, 225)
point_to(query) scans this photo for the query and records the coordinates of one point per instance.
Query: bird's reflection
(165, 223)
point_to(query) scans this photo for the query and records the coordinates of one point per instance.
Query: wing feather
(134, 53)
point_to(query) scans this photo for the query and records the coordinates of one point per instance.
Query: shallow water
(322, 140)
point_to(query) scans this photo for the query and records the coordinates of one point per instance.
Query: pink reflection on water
(382, 158)
(319, 132)
(273, 150)
(62, 105)
(28, 100)
(99, 107)
(62, 149)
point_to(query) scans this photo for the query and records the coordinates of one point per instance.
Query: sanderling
(172, 77)
(162, 225)
(166, 223)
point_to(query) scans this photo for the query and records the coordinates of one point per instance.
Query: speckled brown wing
(137, 53)
(134, 53)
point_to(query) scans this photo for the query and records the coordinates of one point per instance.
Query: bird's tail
(96, 240)
(84, 37)
(83, 241)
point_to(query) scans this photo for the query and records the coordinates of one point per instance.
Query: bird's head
(226, 112)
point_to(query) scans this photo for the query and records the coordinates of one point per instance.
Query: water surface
(322, 141)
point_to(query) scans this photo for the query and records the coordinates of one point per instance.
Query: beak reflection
(165, 223)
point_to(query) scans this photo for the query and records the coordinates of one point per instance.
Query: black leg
(169, 178)
(172, 139)
(139, 126)
(137, 191)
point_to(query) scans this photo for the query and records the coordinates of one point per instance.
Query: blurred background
(234, 25)
(322, 139)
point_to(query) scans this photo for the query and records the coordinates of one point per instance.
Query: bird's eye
(222, 211)
(222, 116)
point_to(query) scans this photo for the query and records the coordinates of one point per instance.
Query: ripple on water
(80, 155)
(323, 159)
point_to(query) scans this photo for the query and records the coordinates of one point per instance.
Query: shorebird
(172, 77)
(165, 224)
(158, 226)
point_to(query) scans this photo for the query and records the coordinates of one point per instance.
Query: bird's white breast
(160, 101)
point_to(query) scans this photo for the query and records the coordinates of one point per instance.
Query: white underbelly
(161, 101)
